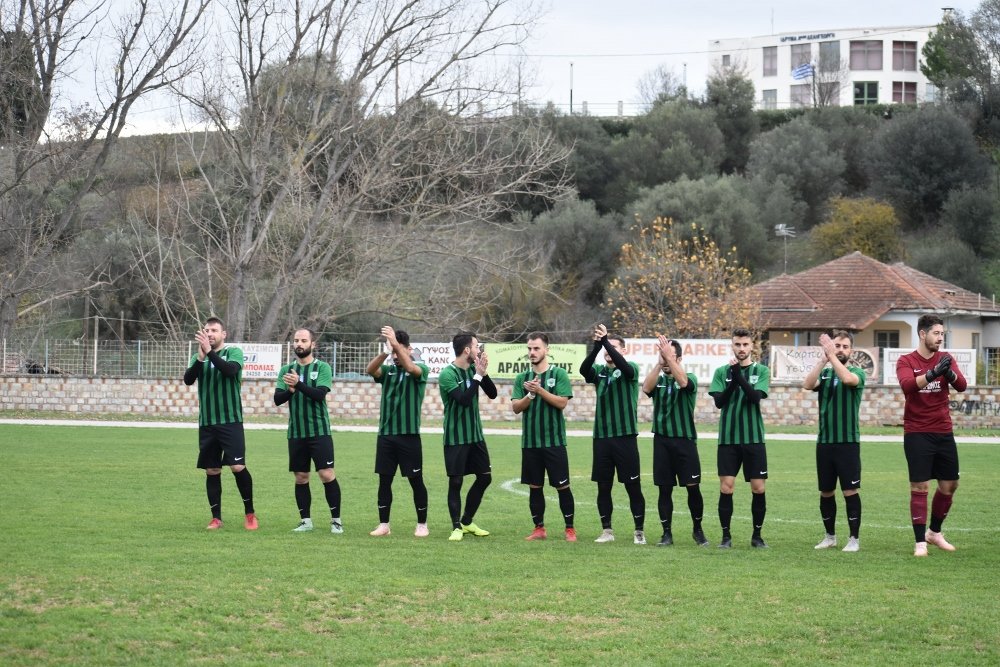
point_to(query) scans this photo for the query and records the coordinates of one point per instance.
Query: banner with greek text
(792, 364)
(261, 360)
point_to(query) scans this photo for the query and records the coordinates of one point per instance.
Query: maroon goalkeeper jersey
(926, 409)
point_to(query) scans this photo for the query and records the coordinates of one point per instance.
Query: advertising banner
(792, 364)
(261, 360)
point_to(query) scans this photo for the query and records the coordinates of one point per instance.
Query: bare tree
(55, 148)
(660, 84)
(359, 147)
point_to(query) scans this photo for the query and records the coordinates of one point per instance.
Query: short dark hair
(742, 333)
(929, 320)
(461, 341)
(312, 334)
(620, 340)
(843, 333)
(403, 338)
(538, 335)
(215, 320)
(677, 348)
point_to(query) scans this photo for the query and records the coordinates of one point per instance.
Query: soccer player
(218, 370)
(540, 395)
(738, 388)
(838, 445)
(404, 382)
(675, 439)
(304, 384)
(616, 447)
(464, 445)
(928, 442)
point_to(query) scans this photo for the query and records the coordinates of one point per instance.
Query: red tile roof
(855, 290)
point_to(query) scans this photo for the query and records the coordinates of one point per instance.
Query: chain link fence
(150, 359)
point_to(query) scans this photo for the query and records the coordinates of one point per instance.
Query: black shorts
(838, 461)
(221, 445)
(301, 450)
(675, 461)
(399, 451)
(621, 454)
(472, 459)
(753, 459)
(536, 461)
(931, 456)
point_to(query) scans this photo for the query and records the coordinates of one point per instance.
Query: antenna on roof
(785, 231)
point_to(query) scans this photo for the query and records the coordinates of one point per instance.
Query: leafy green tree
(862, 225)
(917, 160)
(730, 93)
(952, 59)
(973, 215)
(943, 256)
(800, 155)
(850, 131)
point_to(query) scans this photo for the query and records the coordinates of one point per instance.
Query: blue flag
(803, 71)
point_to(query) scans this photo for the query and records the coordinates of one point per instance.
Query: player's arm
(677, 370)
(956, 379)
(618, 360)
(721, 398)
(317, 394)
(555, 400)
(282, 394)
(488, 387)
(908, 382)
(753, 395)
(843, 373)
(587, 365)
(651, 380)
(463, 395)
(193, 372)
(374, 367)
(229, 369)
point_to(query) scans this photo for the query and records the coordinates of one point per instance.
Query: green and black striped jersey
(740, 421)
(839, 407)
(402, 400)
(307, 418)
(219, 396)
(541, 424)
(462, 425)
(617, 401)
(673, 407)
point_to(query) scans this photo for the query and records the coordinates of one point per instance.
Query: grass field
(105, 561)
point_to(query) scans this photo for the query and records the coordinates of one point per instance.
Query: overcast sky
(612, 43)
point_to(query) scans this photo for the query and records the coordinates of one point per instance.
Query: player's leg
(557, 465)
(603, 472)
(946, 472)
(687, 465)
(210, 460)
(323, 456)
(849, 473)
(299, 466)
(920, 464)
(533, 475)
(411, 464)
(728, 461)
(478, 464)
(826, 476)
(626, 457)
(386, 462)
(755, 472)
(234, 455)
(664, 480)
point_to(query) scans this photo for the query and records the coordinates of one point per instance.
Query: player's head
(742, 344)
(538, 347)
(930, 330)
(466, 346)
(677, 349)
(216, 332)
(843, 344)
(304, 342)
(403, 339)
(616, 342)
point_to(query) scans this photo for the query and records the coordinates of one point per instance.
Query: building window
(865, 92)
(904, 92)
(829, 56)
(866, 55)
(932, 93)
(770, 61)
(725, 60)
(770, 100)
(801, 54)
(886, 338)
(801, 95)
(904, 56)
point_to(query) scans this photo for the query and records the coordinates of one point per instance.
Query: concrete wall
(979, 407)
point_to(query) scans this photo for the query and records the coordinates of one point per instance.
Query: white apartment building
(850, 66)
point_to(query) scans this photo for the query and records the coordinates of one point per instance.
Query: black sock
(725, 513)
(332, 491)
(637, 503)
(536, 505)
(303, 499)
(828, 512)
(665, 507)
(244, 482)
(696, 505)
(384, 497)
(758, 508)
(213, 487)
(567, 505)
(419, 498)
(604, 503)
(475, 497)
(455, 500)
(852, 504)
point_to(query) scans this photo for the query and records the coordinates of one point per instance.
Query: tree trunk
(8, 315)
(236, 309)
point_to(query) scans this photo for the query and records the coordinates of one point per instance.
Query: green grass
(105, 561)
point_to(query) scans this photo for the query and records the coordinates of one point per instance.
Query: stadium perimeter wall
(978, 407)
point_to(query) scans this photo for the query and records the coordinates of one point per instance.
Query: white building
(850, 66)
